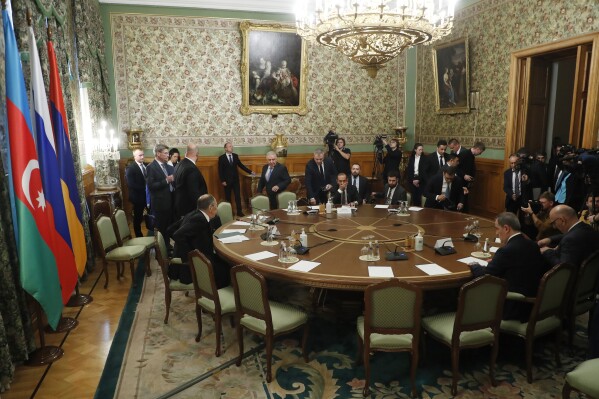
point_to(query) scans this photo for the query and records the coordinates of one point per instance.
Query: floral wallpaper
(178, 78)
(495, 28)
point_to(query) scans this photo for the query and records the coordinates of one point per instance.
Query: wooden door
(580, 96)
(538, 103)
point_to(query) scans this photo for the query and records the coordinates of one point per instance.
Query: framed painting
(452, 77)
(273, 70)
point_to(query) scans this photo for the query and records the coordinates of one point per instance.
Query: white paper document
(433, 269)
(415, 209)
(240, 231)
(344, 210)
(304, 266)
(233, 239)
(380, 271)
(240, 223)
(472, 259)
(444, 242)
(315, 207)
(381, 206)
(493, 249)
(261, 255)
(497, 240)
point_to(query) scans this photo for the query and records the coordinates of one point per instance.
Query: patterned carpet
(163, 360)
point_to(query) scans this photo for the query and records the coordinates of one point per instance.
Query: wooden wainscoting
(487, 198)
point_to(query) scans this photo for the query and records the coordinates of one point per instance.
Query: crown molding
(265, 6)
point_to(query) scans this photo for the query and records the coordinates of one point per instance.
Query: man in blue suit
(160, 183)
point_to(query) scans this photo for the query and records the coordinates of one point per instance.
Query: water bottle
(486, 247)
(282, 252)
(304, 239)
(376, 252)
(370, 251)
(419, 242)
(329, 206)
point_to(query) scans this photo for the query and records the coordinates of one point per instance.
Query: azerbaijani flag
(66, 165)
(48, 163)
(38, 271)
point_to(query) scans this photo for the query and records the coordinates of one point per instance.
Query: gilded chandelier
(373, 32)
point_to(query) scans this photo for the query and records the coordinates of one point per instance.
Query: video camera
(330, 140)
(581, 161)
(378, 142)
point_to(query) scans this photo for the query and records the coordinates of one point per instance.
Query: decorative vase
(279, 146)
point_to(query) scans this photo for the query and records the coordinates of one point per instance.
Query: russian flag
(48, 161)
(37, 264)
(66, 165)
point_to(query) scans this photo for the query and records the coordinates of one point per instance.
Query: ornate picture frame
(452, 77)
(273, 70)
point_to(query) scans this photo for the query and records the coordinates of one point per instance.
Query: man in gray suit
(274, 178)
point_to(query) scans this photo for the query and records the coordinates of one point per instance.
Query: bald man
(189, 183)
(575, 243)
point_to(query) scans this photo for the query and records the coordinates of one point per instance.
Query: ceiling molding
(265, 6)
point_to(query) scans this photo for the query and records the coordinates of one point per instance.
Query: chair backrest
(121, 225)
(259, 202)
(284, 198)
(202, 275)
(552, 292)
(251, 295)
(392, 307)
(225, 212)
(105, 232)
(480, 305)
(587, 282)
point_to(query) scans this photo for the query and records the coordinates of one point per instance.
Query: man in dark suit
(229, 177)
(195, 232)
(515, 186)
(445, 190)
(344, 194)
(467, 165)
(320, 177)
(360, 183)
(135, 174)
(160, 183)
(274, 178)
(433, 162)
(577, 241)
(189, 183)
(519, 262)
(392, 192)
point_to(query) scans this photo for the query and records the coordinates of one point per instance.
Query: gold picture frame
(274, 70)
(452, 77)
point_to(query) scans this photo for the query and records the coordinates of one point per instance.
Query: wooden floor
(77, 373)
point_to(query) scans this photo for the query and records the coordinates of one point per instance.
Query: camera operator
(392, 159)
(539, 215)
(570, 184)
(329, 140)
(341, 156)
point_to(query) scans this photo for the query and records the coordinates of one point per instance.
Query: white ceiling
(268, 6)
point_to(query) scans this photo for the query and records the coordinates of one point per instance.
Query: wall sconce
(474, 100)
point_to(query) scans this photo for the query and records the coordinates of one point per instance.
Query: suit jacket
(194, 232)
(190, 185)
(430, 166)
(351, 193)
(521, 264)
(392, 160)
(363, 187)
(136, 183)
(466, 165)
(434, 187)
(398, 195)
(161, 197)
(278, 177)
(313, 179)
(227, 171)
(411, 173)
(574, 246)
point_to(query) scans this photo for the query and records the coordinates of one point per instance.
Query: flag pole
(45, 354)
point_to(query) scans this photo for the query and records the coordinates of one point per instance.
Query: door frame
(520, 65)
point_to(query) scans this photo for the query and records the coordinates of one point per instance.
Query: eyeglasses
(553, 222)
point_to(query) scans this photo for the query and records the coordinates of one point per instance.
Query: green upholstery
(284, 198)
(106, 232)
(385, 341)
(585, 291)
(584, 378)
(542, 327)
(226, 298)
(284, 318)
(175, 285)
(225, 212)
(121, 254)
(259, 202)
(515, 296)
(440, 326)
(250, 292)
(125, 239)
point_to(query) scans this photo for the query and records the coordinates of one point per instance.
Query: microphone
(394, 255)
(445, 249)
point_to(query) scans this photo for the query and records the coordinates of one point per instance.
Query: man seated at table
(195, 232)
(392, 192)
(519, 262)
(445, 191)
(345, 194)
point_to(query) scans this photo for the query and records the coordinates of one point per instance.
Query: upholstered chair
(584, 292)
(284, 198)
(124, 237)
(583, 379)
(225, 212)
(259, 203)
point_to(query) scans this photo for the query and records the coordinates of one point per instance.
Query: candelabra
(105, 155)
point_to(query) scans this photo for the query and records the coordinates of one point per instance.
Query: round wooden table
(336, 240)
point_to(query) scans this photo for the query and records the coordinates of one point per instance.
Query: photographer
(392, 159)
(590, 213)
(341, 156)
(540, 215)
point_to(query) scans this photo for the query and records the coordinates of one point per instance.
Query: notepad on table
(381, 206)
(415, 209)
(472, 259)
(380, 271)
(260, 255)
(240, 223)
(240, 231)
(433, 269)
(304, 265)
(233, 239)
(493, 249)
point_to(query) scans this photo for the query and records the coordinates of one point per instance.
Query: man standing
(160, 183)
(515, 182)
(274, 178)
(434, 162)
(467, 167)
(319, 177)
(189, 182)
(575, 243)
(229, 178)
(392, 192)
(445, 191)
(345, 194)
(519, 262)
(135, 174)
(360, 183)
(341, 155)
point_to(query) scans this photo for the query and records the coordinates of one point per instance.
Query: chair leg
(218, 327)
(492, 362)
(167, 302)
(366, 357)
(529, 343)
(105, 269)
(558, 335)
(147, 262)
(240, 340)
(199, 317)
(455, 369)
(304, 342)
(413, 371)
(269, 340)
(132, 267)
(566, 390)
(360, 350)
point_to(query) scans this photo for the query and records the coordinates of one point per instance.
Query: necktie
(231, 159)
(268, 173)
(388, 200)
(516, 183)
(143, 170)
(170, 185)
(321, 170)
(448, 191)
(343, 198)
(355, 184)
(440, 160)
